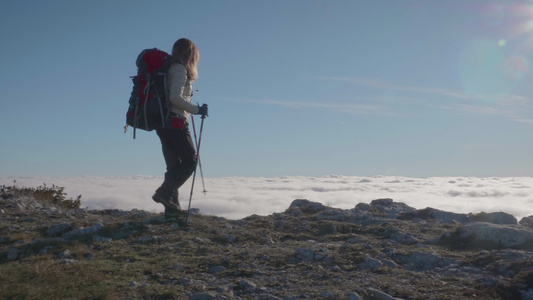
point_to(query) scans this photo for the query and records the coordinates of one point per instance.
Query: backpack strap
(146, 92)
(167, 101)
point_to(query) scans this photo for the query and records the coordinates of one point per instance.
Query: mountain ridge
(381, 250)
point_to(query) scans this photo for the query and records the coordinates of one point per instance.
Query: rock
(379, 295)
(137, 285)
(327, 295)
(527, 294)
(65, 255)
(45, 250)
(495, 217)
(231, 238)
(335, 269)
(217, 269)
(184, 281)
(116, 212)
(156, 220)
(13, 254)
(423, 261)
(268, 241)
(385, 208)
(527, 221)
(305, 254)
(102, 239)
(389, 263)
(82, 232)
(13, 227)
(247, 285)
(384, 202)
(146, 239)
(52, 210)
(370, 263)
(480, 235)
(68, 261)
(403, 238)
(79, 212)
(354, 296)
(139, 214)
(432, 213)
(203, 296)
(58, 229)
(307, 206)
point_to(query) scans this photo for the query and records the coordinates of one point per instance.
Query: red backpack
(148, 106)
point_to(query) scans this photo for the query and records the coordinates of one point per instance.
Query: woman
(178, 148)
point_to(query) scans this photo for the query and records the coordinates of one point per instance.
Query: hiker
(177, 144)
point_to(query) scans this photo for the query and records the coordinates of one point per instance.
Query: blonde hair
(186, 53)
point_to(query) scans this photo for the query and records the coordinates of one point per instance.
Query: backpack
(148, 106)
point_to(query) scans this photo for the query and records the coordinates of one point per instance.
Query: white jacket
(180, 91)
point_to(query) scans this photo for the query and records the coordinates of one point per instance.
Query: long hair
(186, 53)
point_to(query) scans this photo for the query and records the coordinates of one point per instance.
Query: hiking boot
(160, 199)
(173, 201)
(174, 213)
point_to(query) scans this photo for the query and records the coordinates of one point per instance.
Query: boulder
(422, 261)
(495, 217)
(386, 208)
(58, 229)
(482, 235)
(307, 206)
(527, 221)
(432, 213)
(370, 263)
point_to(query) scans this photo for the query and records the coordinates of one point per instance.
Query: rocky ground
(382, 250)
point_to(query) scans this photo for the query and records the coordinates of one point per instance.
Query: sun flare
(518, 26)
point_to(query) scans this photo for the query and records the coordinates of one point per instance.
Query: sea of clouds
(239, 197)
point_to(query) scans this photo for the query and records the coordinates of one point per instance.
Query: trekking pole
(198, 154)
(194, 174)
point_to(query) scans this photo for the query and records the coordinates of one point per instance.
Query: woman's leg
(180, 158)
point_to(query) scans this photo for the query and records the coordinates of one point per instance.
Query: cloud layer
(238, 197)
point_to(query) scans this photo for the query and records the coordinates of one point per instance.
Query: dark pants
(180, 158)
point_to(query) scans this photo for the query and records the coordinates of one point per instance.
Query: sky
(411, 88)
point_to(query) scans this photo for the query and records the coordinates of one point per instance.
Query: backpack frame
(148, 106)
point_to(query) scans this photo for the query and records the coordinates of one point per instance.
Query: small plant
(50, 195)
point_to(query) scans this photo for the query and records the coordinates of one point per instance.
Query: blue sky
(300, 88)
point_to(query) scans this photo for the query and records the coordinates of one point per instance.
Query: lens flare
(481, 68)
(515, 67)
(494, 67)
(518, 26)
